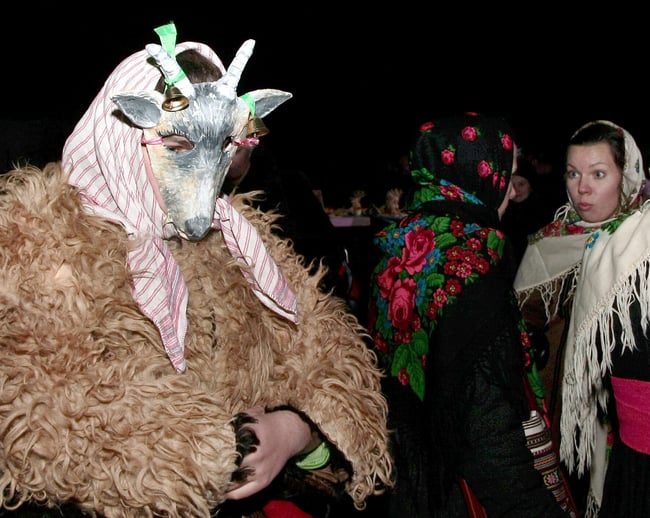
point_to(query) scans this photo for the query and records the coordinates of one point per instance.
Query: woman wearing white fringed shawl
(597, 252)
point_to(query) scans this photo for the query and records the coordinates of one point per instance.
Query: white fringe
(584, 375)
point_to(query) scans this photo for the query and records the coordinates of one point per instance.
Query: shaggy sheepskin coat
(92, 411)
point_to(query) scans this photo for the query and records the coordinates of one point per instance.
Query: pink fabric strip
(258, 267)
(105, 160)
(633, 409)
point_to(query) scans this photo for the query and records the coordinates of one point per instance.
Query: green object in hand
(315, 459)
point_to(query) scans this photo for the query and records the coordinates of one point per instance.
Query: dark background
(363, 79)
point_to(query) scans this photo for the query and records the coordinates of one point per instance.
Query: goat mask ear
(143, 109)
(260, 103)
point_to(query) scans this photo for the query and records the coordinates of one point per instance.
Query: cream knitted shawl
(606, 266)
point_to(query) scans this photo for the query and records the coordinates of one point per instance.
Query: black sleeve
(495, 438)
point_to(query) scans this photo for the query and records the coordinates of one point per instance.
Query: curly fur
(92, 411)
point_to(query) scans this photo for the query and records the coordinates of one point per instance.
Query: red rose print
(402, 303)
(432, 311)
(453, 287)
(457, 228)
(468, 256)
(474, 244)
(426, 126)
(464, 270)
(447, 156)
(417, 323)
(403, 337)
(484, 169)
(451, 192)
(417, 245)
(469, 133)
(450, 267)
(403, 377)
(386, 279)
(482, 266)
(455, 253)
(574, 229)
(440, 297)
(506, 142)
(380, 343)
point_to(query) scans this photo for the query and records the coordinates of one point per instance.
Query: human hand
(281, 435)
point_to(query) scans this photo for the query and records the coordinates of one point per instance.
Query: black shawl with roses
(447, 331)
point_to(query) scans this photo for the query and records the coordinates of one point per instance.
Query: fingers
(247, 443)
(242, 475)
(244, 490)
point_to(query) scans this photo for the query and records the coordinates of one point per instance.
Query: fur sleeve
(321, 366)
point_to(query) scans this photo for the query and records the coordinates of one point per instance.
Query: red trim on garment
(633, 410)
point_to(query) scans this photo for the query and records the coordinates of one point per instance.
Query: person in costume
(163, 351)
(591, 266)
(448, 333)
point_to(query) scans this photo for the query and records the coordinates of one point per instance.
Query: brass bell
(256, 127)
(174, 100)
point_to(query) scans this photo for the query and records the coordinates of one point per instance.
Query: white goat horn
(171, 69)
(237, 66)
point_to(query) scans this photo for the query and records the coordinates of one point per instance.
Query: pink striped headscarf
(106, 161)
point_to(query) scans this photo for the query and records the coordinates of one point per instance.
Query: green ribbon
(250, 101)
(167, 34)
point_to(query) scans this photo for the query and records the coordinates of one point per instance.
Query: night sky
(362, 83)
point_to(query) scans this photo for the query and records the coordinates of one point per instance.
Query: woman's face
(522, 188)
(593, 181)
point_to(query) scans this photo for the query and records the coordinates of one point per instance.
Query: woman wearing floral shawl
(594, 259)
(447, 331)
